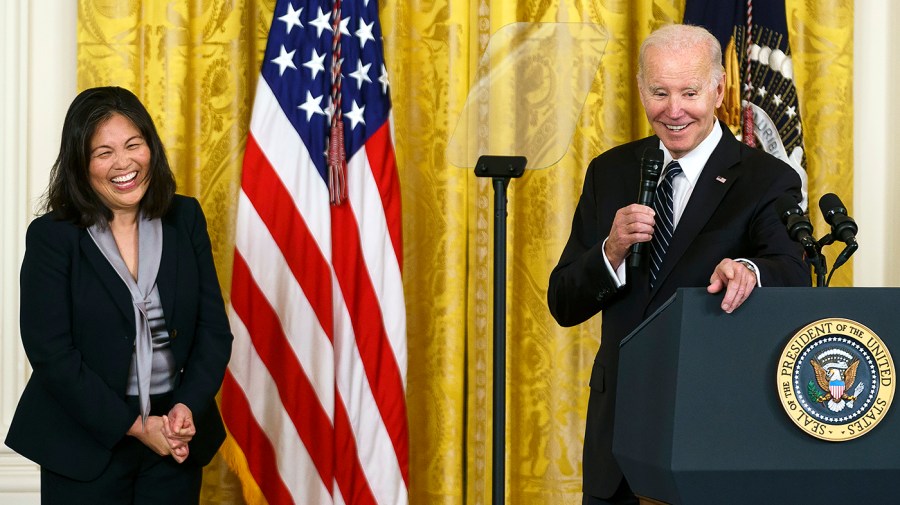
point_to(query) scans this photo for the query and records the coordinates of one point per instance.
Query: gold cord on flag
(337, 158)
(748, 136)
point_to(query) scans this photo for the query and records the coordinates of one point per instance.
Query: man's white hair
(680, 38)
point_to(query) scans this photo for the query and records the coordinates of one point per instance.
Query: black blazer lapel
(712, 186)
(165, 278)
(114, 284)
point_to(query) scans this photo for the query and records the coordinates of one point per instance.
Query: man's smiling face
(680, 95)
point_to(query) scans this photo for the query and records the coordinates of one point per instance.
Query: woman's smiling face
(119, 164)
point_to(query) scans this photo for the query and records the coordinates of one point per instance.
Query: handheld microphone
(843, 227)
(798, 226)
(651, 167)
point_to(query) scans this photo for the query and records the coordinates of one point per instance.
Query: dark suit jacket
(78, 330)
(734, 218)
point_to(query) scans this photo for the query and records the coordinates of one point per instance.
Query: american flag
(315, 391)
(769, 101)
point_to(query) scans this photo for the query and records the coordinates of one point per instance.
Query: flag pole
(500, 169)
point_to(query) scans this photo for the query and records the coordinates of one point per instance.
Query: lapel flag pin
(720, 179)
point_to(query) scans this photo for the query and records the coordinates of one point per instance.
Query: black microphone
(843, 227)
(651, 167)
(798, 226)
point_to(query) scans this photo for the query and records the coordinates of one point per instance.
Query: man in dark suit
(727, 235)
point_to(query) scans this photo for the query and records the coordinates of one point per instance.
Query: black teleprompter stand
(500, 169)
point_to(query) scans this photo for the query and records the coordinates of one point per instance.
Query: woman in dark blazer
(122, 319)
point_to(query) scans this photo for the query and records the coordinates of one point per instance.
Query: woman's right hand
(152, 436)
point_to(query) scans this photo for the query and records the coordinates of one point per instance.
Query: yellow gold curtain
(822, 47)
(194, 64)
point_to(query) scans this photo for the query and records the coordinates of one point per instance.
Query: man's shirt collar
(693, 162)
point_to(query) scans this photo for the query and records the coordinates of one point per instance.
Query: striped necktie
(663, 205)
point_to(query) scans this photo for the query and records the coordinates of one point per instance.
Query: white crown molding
(19, 477)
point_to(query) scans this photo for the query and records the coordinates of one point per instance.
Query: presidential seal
(836, 379)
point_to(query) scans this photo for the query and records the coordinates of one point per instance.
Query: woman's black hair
(69, 193)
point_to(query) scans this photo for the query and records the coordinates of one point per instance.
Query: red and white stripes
(315, 393)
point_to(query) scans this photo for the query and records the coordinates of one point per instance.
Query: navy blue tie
(664, 207)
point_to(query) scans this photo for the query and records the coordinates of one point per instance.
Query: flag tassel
(337, 164)
(337, 158)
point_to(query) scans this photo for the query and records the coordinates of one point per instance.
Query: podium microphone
(843, 227)
(651, 167)
(798, 225)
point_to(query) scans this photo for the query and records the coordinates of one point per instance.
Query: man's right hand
(631, 225)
